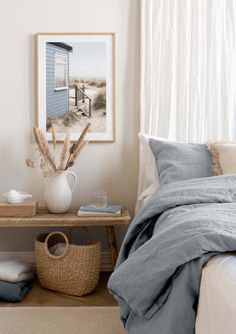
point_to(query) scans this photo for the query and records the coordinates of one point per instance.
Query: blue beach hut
(57, 79)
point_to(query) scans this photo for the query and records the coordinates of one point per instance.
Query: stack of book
(106, 210)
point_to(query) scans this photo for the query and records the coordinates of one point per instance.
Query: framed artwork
(75, 84)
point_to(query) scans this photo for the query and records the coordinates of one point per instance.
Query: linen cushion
(223, 157)
(181, 161)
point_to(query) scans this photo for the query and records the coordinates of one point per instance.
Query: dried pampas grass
(44, 148)
(77, 147)
(54, 140)
(29, 163)
(69, 152)
(65, 150)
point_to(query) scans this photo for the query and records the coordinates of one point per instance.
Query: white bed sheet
(217, 302)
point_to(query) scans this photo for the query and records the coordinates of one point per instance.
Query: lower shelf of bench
(43, 297)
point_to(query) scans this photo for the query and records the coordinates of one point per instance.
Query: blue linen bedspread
(158, 273)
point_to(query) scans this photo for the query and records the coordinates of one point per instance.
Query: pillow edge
(216, 167)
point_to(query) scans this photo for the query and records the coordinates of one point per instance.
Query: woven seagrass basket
(75, 272)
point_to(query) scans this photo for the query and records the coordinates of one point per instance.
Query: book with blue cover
(106, 210)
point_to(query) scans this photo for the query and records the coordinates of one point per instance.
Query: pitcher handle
(75, 180)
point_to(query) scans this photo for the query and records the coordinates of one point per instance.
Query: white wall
(102, 166)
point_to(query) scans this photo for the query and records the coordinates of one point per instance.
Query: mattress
(217, 302)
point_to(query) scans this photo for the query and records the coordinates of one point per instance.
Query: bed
(180, 245)
(217, 300)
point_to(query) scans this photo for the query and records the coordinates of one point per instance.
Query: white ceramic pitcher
(57, 192)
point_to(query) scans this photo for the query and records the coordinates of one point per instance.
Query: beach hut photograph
(67, 102)
(78, 84)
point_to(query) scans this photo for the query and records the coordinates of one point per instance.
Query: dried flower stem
(76, 154)
(43, 147)
(65, 150)
(54, 139)
(47, 162)
(76, 147)
(29, 163)
(81, 138)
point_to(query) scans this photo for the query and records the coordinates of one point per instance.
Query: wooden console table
(70, 219)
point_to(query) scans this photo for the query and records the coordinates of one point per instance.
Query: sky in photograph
(88, 60)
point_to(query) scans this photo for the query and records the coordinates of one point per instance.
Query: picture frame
(75, 84)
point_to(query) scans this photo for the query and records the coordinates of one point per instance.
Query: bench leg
(112, 244)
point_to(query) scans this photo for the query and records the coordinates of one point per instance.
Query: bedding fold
(16, 271)
(158, 272)
(13, 292)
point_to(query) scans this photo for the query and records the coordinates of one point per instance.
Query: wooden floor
(42, 297)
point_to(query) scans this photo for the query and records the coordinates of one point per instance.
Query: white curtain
(188, 69)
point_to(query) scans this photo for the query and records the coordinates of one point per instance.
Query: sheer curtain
(188, 69)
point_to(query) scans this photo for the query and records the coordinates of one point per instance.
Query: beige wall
(102, 166)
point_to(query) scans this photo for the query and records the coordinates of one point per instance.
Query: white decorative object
(57, 192)
(15, 197)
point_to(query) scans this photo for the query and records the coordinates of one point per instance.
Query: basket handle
(46, 245)
(85, 229)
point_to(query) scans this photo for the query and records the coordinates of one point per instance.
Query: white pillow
(148, 176)
(144, 196)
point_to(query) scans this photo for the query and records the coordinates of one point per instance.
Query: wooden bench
(70, 219)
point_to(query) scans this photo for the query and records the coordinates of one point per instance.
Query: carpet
(60, 320)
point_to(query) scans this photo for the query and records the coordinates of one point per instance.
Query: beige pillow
(223, 157)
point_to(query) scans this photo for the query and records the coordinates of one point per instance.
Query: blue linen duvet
(158, 273)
